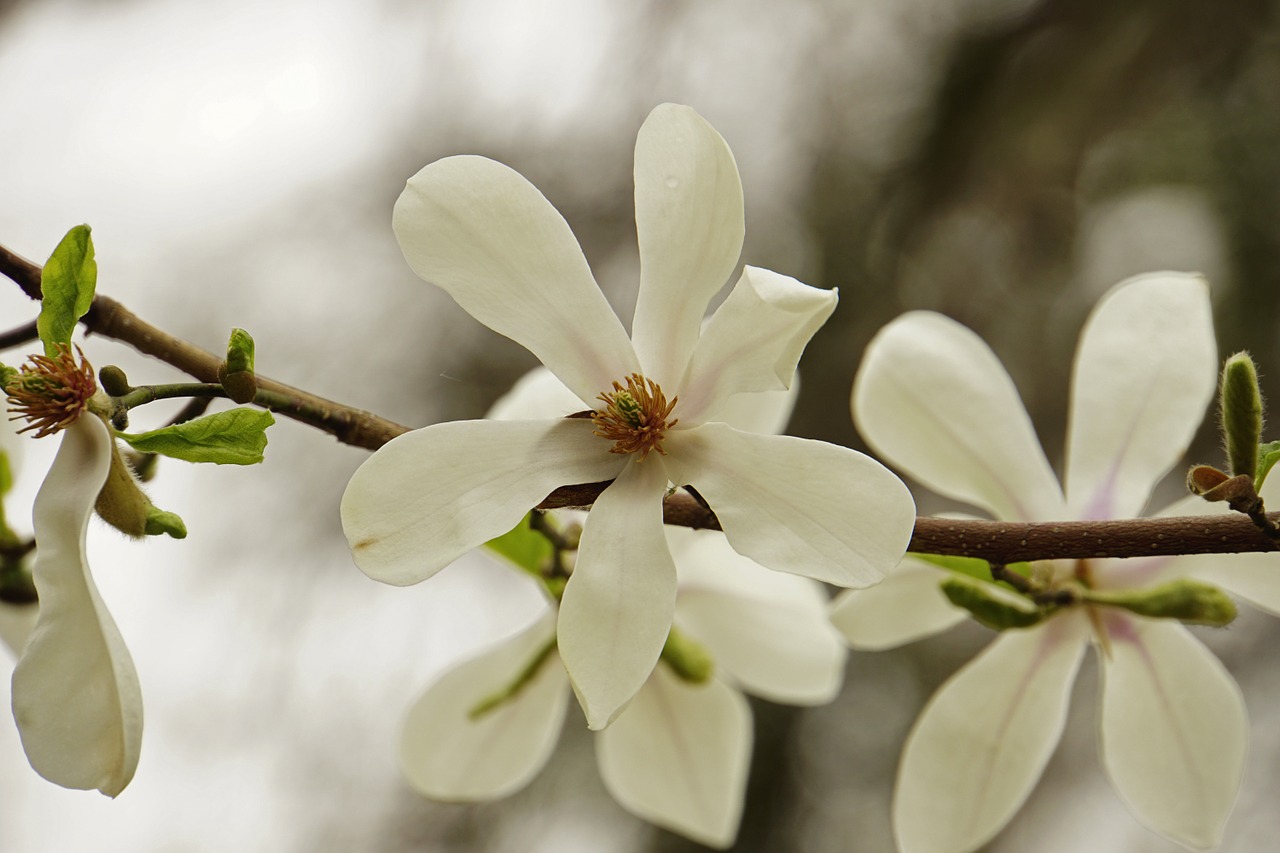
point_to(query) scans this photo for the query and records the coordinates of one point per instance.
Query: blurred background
(1001, 161)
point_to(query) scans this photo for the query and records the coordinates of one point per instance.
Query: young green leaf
(233, 437)
(67, 283)
(1268, 455)
(524, 546)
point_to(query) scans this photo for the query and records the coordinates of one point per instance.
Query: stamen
(634, 417)
(51, 391)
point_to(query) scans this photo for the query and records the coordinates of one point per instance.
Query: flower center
(634, 417)
(50, 391)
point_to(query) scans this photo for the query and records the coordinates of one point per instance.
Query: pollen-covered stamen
(634, 417)
(50, 391)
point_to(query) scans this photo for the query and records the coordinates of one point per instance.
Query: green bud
(236, 373)
(159, 521)
(8, 374)
(991, 605)
(121, 503)
(1241, 404)
(1185, 600)
(688, 658)
(112, 380)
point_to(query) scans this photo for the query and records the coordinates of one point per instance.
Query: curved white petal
(1145, 370)
(1173, 730)
(679, 756)
(429, 496)
(539, 394)
(17, 621)
(75, 692)
(619, 602)
(766, 412)
(690, 223)
(447, 755)
(984, 738)
(484, 234)
(932, 398)
(796, 505)
(753, 342)
(906, 606)
(768, 631)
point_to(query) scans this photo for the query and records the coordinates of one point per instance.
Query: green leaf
(67, 284)
(6, 475)
(1268, 455)
(973, 567)
(233, 437)
(524, 546)
(240, 351)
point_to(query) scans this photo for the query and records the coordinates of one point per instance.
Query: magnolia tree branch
(995, 541)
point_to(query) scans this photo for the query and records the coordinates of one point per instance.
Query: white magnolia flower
(487, 236)
(933, 399)
(679, 754)
(75, 691)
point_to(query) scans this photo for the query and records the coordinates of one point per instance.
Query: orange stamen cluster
(50, 391)
(634, 417)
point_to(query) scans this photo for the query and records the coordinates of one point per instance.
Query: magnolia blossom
(679, 754)
(75, 691)
(484, 234)
(934, 400)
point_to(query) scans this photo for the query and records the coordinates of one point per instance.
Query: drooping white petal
(753, 341)
(1173, 729)
(933, 400)
(796, 505)
(767, 630)
(679, 755)
(75, 691)
(690, 223)
(906, 606)
(17, 621)
(539, 394)
(429, 496)
(446, 754)
(983, 740)
(488, 237)
(1145, 370)
(619, 602)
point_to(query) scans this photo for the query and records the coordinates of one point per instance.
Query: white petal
(17, 621)
(795, 505)
(933, 400)
(75, 692)
(766, 412)
(690, 222)
(619, 602)
(447, 755)
(984, 738)
(539, 394)
(1173, 730)
(679, 757)
(483, 233)
(908, 605)
(1145, 370)
(753, 341)
(767, 630)
(429, 496)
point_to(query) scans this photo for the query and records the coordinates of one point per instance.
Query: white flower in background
(679, 755)
(484, 234)
(933, 399)
(75, 692)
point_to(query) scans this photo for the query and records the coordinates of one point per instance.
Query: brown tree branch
(995, 541)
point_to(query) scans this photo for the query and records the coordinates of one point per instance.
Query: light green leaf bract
(524, 546)
(1268, 455)
(67, 284)
(233, 437)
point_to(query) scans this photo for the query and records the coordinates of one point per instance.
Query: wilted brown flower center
(50, 391)
(634, 417)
